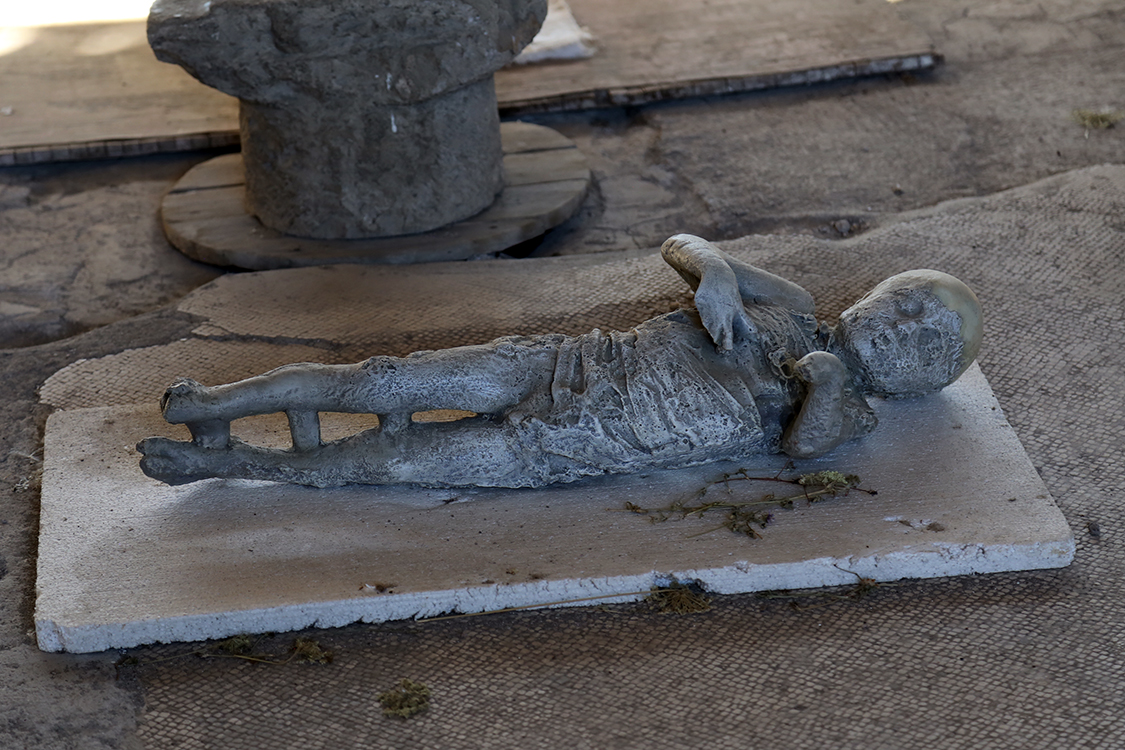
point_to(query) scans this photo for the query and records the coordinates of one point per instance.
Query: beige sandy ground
(1022, 660)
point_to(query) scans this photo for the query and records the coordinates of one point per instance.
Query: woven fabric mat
(1033, 660)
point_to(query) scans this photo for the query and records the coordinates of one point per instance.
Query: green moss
(308, 650)
(236, 645)
(407, 699)
(1093, 119)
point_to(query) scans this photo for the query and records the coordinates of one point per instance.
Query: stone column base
(363, 170)
(545, 179)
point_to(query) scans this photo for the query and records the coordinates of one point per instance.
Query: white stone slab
(125, 560)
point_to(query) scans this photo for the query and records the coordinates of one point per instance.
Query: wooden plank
(181, 206)
(96, 90)
(650, 50)
(222, 171)
(527, 168)
(537, 200)
(524, 138)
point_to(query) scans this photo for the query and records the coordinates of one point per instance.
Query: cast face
(913, 334)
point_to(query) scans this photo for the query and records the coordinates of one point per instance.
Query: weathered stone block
(358, 170)
(358, 119)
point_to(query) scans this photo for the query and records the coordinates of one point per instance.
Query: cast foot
(186, 401)
(180, 462)
(176, 462)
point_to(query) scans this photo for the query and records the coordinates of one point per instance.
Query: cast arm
(831, 413)
(723, 285)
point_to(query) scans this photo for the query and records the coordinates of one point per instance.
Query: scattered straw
(678, 598)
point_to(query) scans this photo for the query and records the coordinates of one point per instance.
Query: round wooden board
(546, 178)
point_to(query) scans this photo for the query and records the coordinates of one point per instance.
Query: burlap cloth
(1027, 660)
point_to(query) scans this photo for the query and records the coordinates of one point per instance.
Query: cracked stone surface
(968, 663)
(795, 160)
(83, 247)
(995, 115)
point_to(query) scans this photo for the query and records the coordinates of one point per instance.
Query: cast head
(913, 334)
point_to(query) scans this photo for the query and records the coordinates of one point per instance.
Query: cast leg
(484, 379)
(472, 452)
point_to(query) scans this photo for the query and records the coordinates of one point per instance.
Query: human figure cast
(747, 371)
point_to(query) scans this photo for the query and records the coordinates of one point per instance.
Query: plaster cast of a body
(748, 371)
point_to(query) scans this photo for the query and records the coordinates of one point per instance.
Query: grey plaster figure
(747, 371)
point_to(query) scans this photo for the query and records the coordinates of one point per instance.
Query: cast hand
(821, 368)
(720, 307)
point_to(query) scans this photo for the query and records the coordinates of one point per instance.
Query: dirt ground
(87, 272)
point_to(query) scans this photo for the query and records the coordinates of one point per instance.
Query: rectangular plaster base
(125, 560)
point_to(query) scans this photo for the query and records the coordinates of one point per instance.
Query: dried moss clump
(306, 649)
(236, 645)
(831, 482)
(678, 598)
(1093, 119)
(407, 699)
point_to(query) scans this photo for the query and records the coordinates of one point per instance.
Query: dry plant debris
(747, 517)
(246, 648)
(407, 699)
(236, 645)
(863, 586)
(1096, 119)
(679, 598)
(308, 650)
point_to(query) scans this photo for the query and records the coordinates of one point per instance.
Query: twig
(741, 516)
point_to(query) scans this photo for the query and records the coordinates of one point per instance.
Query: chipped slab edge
(940, 562)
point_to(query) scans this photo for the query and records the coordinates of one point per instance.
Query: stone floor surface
(1020, 660)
